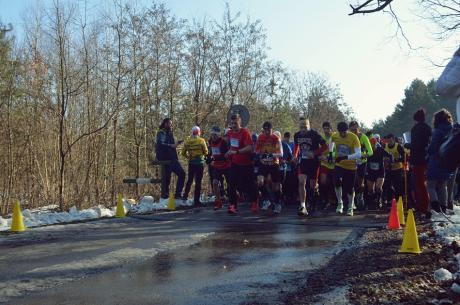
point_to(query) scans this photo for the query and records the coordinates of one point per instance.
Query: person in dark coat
(437, 175)
(420, 139)
(165, 149)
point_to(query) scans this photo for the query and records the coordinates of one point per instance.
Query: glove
(208, 159)
(341, 158)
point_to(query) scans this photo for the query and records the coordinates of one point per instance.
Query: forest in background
(417, 95)
(83, 92)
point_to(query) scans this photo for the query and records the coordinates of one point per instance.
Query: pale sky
(356, 52)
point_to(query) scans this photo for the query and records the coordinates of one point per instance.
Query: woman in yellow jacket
(195, 150)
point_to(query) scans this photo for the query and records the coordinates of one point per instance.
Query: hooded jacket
(435, 171)
(163, 150)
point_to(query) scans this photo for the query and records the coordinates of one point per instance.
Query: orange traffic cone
(410, 238)
(393, 219)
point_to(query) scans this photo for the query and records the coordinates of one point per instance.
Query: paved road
(187, 257)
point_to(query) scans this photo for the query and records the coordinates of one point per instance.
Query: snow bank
(47, 216)
(449, 231)
(148, 204)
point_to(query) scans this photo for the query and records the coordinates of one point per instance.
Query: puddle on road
(257, 243)
(240, 263)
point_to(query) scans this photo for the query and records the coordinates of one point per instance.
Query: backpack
(449, 151)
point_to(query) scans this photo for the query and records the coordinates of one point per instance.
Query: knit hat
(196, 131)
(419, 115)
(215, 130)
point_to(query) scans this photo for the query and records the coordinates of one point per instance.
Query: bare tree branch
(370, 6)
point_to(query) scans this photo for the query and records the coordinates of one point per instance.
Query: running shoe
(232, 209)
(339, 209)
(302, 211)
(254, 207)
(265, 205)
(350, 212)
(217, 205)
(277, 209)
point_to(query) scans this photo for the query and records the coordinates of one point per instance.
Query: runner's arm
(204, 147)
(368, 146)
(296, 150)
(402, 153)
(278, 150)
(356, 155)
(245, 149)
(321, 149)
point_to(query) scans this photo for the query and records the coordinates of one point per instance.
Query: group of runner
(345, 169)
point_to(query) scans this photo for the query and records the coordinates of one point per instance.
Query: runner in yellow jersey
(366, 151)
(347, 150)
(394, 184)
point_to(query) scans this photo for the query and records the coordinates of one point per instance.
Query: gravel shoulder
(373, 272)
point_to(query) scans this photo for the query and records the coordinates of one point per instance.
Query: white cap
(196, 131)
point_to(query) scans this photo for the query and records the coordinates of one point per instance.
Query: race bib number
(215, 151)
(343, 150)
(374, 166)
(235, 143)
(305, 153)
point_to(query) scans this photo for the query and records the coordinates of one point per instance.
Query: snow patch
(455, 288)
(447, 227)
(3, 222)
(442, 275)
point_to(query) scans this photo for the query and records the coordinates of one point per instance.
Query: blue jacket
(434, 169)
(163, 151)
(287, 155)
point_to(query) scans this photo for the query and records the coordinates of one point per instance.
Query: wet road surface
(236, 259)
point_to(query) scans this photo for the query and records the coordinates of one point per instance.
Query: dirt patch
(376, 273)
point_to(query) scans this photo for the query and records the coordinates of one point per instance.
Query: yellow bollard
(401, 211)
(120, 213)
(17, 221)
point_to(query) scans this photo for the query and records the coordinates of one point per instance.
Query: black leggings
(242, 179)
(345, 178)
(395, 186)
(195, 171)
